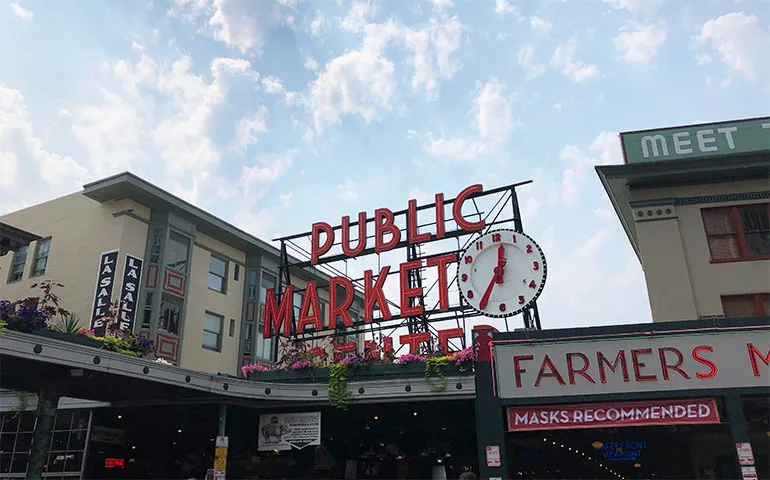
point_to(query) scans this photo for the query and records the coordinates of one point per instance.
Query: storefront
(661, 401)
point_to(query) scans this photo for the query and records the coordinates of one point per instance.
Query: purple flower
(22, 316)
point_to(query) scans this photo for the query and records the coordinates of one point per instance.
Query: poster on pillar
(284, 431)
(105, 281)
(129, 292)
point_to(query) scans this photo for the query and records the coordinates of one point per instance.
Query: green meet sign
(696, 141)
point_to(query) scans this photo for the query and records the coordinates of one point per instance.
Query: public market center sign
(696, 141)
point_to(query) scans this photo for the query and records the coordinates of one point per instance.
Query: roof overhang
(620, 180)
(126, 185)
(12, 238)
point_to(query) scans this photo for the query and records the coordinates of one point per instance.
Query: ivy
(338, 385)
(436, 366)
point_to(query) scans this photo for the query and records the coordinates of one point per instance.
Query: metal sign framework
(459, 311)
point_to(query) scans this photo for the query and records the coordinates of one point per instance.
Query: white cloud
(285, 199)
(239, 24)
(635, 6)
(29, 173)
(362, 83)
(606, 144)
(310, 63)
(348, 191)
(540, 24)
(319, 26)
(638, 43)
(65, 113)
(431, 49)
(255, 180)
(558, 106)
(502, 7)
(525, 57)
(273, 86)
(490, 120)
(359, 15)
(564, 58)
(441, 4)
(248, 128)
(257, 223)
(741, 43)
(21, 12)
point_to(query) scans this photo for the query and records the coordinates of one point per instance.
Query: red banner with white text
(615, 414)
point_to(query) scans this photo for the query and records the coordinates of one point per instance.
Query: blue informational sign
(621, 451)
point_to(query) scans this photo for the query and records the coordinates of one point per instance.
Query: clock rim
(520, 308)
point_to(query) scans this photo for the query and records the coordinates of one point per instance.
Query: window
(17, 266)
(155, 243)
(147, 313)
(743, 306)
(298, 296)
(41, 257)
(212, 331)
(170, 313)
(252, 292)
(217, 274)
(232, 327)
(322, 307)
(177, 251)
(264, 345)
(248, 335)
(236, 272)
(738, 232)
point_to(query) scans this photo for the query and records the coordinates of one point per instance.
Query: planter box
(307, 375)
(67, 337)
(355, 373)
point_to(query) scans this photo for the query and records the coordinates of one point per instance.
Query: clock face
(501, 273)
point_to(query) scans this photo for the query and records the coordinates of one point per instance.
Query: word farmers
(384, 222)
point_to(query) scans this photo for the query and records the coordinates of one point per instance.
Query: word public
(277, 318)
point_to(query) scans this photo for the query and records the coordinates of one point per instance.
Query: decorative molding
(162, 342)
(174, 282)
(654, 213)
(726, 197)
(152, 276)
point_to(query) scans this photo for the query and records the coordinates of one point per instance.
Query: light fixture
(414, 413)
(584, 454)
(443, 428)
(366, 427)
(173, 443)
(439, 461)
(637, 465)
(545, 439)
(448, 455)
(376, 417)
(133, 447)
(179, 431)
(597, 445)
(554, 443)
(562, 445)
(120, 416)
(569, 448)
(275, 451)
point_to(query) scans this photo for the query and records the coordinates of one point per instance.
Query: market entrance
(654, 453)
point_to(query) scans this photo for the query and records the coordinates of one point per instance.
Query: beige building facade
(203, 282)
(695, 203)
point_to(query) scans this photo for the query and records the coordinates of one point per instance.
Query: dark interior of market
(654, 453)
(379, 441)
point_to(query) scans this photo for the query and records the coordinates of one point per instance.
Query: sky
(274, 114)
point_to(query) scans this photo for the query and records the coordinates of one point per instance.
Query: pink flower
(254, 367)
(301, 364)
(409, 358)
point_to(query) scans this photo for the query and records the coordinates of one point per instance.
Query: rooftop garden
(43, 315)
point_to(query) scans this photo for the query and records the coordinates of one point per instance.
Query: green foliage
(67, 324)
(2, 326)
(436, 366)
(119, 345)
(338, 385)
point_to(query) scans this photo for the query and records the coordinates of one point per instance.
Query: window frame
(168, 250)
(221, 319)
(263, 343)
(759, 306)
(223, 277)
(11, 270)
(36, 257)
(739, 232)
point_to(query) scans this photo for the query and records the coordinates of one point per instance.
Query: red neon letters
(322, 234)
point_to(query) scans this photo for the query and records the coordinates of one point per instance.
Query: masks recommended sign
(282, 431)
(129, 292)
(105, 280)
(613, 415)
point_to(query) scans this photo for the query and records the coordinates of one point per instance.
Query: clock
(501, 273)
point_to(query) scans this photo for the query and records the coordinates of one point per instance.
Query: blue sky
(274, 114)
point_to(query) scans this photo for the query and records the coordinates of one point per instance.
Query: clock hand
(496, 278)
